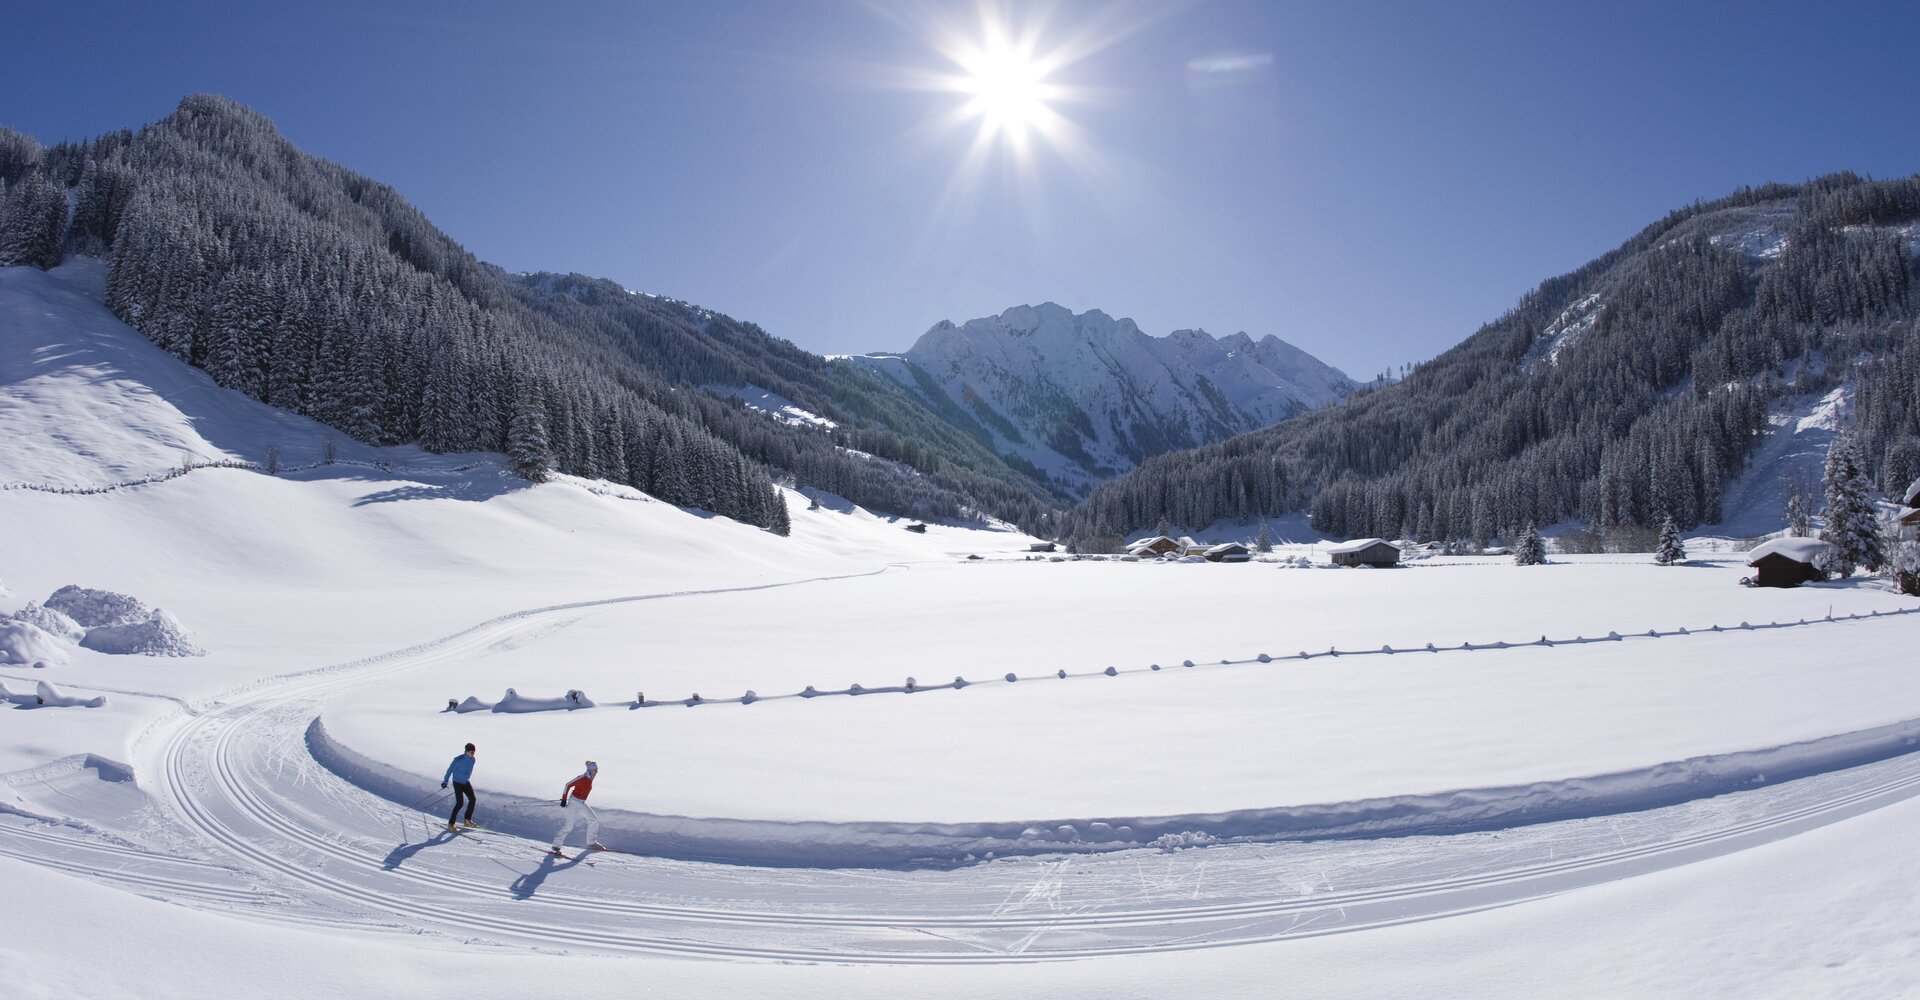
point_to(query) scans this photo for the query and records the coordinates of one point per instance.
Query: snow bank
(514, 701)
(50, 621)
(47, 695)
(159, 635)
(26, 643)
(831, 844)
(50, 696)
(91, 608)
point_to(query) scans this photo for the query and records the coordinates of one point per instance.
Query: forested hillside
(1622, 392)
(309, 287)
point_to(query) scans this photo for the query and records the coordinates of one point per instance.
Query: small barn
(1365, 552)
(1911, 515)
(1158, 545)
(1041, 547)
(917, 528)
(1228, 552)
(1787, 562)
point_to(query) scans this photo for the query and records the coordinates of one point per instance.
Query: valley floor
(1605, 778)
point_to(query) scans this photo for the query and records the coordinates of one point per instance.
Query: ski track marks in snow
(316, 850)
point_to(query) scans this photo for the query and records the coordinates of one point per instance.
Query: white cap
(591, 766)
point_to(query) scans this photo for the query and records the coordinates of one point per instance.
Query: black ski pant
(461, 790)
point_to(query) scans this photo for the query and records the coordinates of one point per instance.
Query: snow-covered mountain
(1084, 397)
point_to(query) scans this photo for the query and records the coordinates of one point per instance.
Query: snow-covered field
(1703, 813)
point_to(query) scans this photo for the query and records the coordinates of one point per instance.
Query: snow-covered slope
(1084, 396)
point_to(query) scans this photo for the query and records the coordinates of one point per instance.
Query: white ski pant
(573, 812)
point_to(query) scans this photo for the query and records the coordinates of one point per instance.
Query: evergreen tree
(1903, 561)
(32, 220)
(1162, 528)
(528, 454)
(1851, 526)
(1670, 551)
(1263, 543)
(779, 523)
(1530, 550)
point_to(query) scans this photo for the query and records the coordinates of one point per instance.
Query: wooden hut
(1158, 545)
(1911, 515)
(917, 528)
(1041, 547)
(1787, 562)
(1365, 552)
(1228, 552)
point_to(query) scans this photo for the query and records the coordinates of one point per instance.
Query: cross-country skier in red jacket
(577, 791)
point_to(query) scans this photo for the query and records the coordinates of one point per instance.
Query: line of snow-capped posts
(514, 702)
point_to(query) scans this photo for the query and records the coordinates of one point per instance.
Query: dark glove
(563, 803)
(443, 784)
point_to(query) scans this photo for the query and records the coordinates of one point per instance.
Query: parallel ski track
(214, 744)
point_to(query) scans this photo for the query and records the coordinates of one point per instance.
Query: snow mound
(91, 608)
(51, 621)
(473, 704)
(27, 643)
(52, 697)
(514, 701)
(159, 635)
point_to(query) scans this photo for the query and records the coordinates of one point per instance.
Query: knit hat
(592, 767)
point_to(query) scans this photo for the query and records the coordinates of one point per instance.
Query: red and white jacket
(579, 787)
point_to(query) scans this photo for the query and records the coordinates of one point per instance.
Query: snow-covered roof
(1149, 541)
(1360, 545)
(1804, 550)
(1227, 547)
(1912, 498)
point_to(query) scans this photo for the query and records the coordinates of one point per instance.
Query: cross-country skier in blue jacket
(460, 772)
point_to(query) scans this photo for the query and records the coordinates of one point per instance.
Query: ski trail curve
(240, 777)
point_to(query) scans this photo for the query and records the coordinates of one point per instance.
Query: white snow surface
(774, 405)
(1804, 550)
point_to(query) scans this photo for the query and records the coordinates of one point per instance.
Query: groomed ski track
(292, 842)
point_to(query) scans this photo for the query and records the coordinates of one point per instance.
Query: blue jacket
(461, 770)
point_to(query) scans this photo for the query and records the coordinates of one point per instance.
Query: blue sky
(1370, 181)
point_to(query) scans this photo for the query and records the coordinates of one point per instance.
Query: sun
(1007, 90)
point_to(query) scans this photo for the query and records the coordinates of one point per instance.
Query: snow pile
(49, 620)
(159, 635)
(473, 704)
(91, 608)
(514, 701)
(27, 643)
(50, 696)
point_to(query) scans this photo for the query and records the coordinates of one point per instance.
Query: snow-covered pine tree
(528, 454)
(1264, 541)
(1903, 555)
(1531, 550)
(33, 220)
(779, 523)
(1851, 527)
(1162, 528)
(1670, 551)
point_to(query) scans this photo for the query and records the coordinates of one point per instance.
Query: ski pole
(416, 807)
